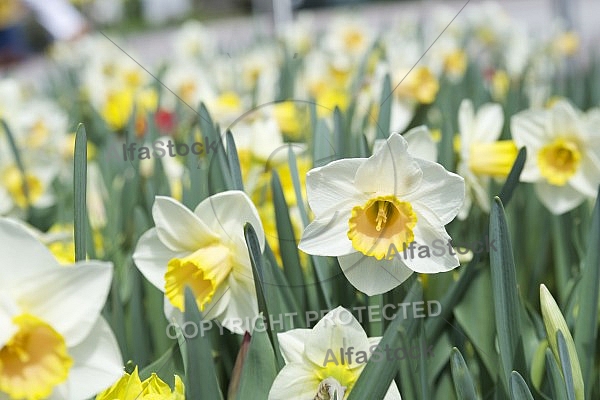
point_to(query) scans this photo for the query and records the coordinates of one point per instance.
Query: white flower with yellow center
(563, 154)
(314, 364)
(53, 342)
(370, 211)
(482, 155)
(206, 251)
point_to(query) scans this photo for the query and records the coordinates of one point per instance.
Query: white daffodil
(206, 251)
(563, 154)
(314, 368)
(53, 342)
(482, 155)
(370, 213)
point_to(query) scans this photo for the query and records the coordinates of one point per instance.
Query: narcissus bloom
(53, 342)
(312, 366)
(205, 250)
(131, 387)
(365, 207)
(482, 155)
(563, 154)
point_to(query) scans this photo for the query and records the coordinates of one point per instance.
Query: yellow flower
(117, 108)
(131, 387)
(12, 179)
(420, 85)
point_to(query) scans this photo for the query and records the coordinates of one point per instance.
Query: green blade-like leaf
(259, 368)
(200, 376)
(18, 161)
(258, 268)
(518, 387)
(385, 109)
(80, 187)
(234, 162)
(586, 325)
(504, 290)
(513, 177)
(557, 383)
(287, 242)
(555, 322)
(565, 365)
(463, 381)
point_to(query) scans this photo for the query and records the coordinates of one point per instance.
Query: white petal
(295, 381)
(332, 186)
(178, 228)
(488, 123)
(291, 344)
(22, 256)
(228, 212)
(337, 329)
(390, 171)
(242, 306)
(372, 276)
(151, 257)
(328, 236)
(442, 192)
(98, 363)
(587, 178)
(401, 115)
(393, 393)
(564, 119)
(558, 199)
(430, 233)
(466, 122)
(529, 128)
(420, 144)
(69, 298)
(8, 310)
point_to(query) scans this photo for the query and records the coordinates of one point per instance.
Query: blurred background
(28, 27)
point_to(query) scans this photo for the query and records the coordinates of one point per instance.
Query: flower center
(34, 360)
(559, 160)
(495, 159)
(203, 271)
(330, 389)
(381, 222)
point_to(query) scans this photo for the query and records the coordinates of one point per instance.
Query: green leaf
(504, 291)
(258, 268)
(287, 242)
(17, 155)
(518, 387)
(557, 383)
(234, 162)
(385, 109)
(259, 370)
(200, 376)
(554, 323)
(463, 381)
(513, 176)
(80, 187)
(165, 366)
(565, 365)
(586, 324)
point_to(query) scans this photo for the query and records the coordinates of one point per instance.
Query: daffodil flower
(563, 154)
(482, 155)
(365, 207)
(131, 387)
(53, 342)
(314, 364)
(206, 251)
